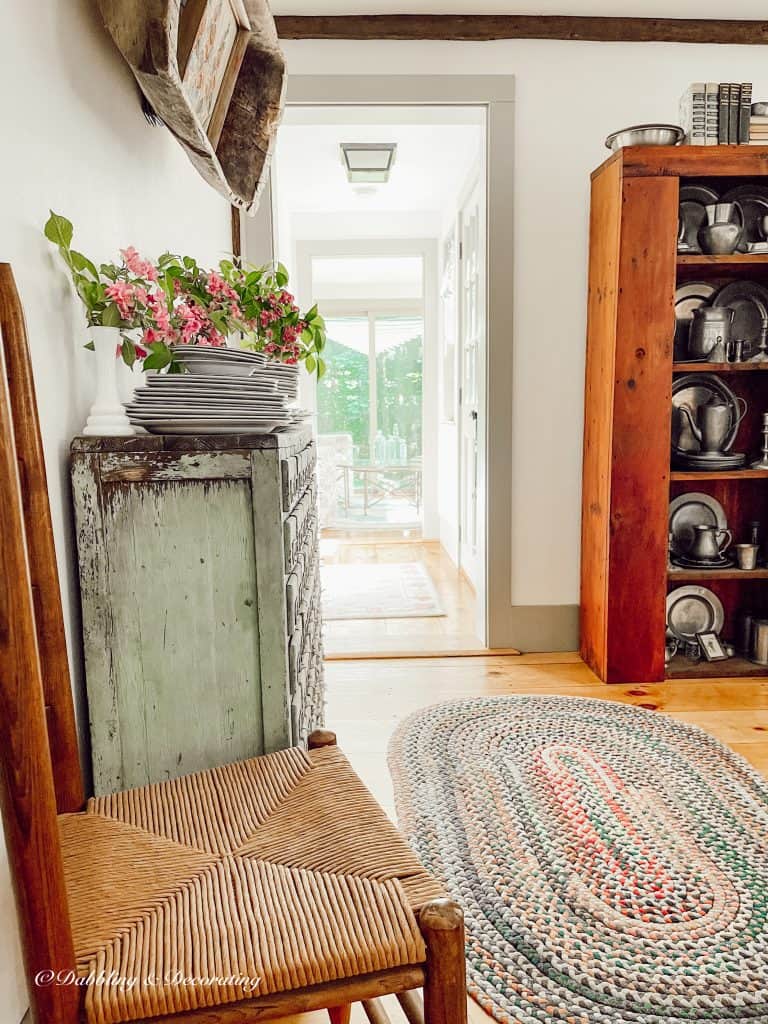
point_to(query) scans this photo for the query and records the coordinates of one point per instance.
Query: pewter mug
(711, 423)
(710, 331)
(707, 545)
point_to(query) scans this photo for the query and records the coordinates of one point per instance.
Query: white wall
(74, 139)
(569, 97)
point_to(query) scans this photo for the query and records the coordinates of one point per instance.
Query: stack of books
(717, 113)
(758, 130)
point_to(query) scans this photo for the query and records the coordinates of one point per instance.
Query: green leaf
(111, 316)
(90, 346)
(322, 366)
(80, 262)
(128, 350)
(108, 270)
(59, 230)
(311, 363)
(281, 278)
(311, 314)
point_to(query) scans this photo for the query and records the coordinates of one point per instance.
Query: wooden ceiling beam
(484, 27)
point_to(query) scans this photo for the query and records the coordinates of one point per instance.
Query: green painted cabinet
(200, 595)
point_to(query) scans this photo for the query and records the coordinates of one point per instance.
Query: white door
(472, 384)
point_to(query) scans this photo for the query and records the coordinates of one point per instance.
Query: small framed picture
(711, 647)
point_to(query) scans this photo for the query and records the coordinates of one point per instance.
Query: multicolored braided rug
(612, 863)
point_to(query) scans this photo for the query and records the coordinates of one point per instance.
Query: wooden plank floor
(454, 631)
(367, 699)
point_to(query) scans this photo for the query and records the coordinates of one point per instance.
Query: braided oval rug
(612, 863)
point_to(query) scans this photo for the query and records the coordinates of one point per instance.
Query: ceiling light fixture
(368, 162)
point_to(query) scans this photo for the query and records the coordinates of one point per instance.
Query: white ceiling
(432, 163)
(610, 8)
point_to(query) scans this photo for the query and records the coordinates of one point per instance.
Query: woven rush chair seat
(257, 877)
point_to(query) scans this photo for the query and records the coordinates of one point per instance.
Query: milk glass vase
(107, 415)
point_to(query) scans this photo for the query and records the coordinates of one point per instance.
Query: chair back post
(49, 620)
(27, 795)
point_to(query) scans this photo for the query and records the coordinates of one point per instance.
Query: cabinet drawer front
(297, 472)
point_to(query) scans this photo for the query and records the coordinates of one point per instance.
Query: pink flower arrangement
(175, 301)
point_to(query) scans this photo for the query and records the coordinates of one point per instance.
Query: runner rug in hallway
(612, 863)
(365, 590)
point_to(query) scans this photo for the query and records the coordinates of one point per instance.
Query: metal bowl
(646, 135)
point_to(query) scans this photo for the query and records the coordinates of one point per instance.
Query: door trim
(503, 624)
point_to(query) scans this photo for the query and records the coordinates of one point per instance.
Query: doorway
(360, 101)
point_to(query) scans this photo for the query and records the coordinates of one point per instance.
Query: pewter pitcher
(710, 333)
(723, 230)
(707, 545)
(711, 423)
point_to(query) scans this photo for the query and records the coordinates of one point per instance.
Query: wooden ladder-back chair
(246, 893)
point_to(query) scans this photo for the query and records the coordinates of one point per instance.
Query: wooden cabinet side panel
(640, 450)
(604, 234)
(270, 588)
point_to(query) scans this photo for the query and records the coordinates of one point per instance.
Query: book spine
(745, 111)
(698, 114)
(723, 113)
(711, 111)
(733, 117)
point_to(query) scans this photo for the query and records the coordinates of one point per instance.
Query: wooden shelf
(696, 367)
(727, 474)
(676, 575)
(681, 668)
(736, 259)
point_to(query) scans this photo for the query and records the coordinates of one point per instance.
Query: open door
(471, 393)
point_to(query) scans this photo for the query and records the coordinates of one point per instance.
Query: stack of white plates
(224, 391)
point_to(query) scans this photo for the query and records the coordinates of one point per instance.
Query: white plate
(224, 413)
(194, 379)
(211, 398)
(206, 427)
(208, 351)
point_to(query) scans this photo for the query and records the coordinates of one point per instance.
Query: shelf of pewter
(628, 479)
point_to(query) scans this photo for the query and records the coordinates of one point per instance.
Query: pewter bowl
(645, 135)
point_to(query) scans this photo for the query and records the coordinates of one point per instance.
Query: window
(373, 388)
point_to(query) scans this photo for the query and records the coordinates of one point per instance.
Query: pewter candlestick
(762, 463)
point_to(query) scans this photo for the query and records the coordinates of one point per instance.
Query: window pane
(343, 394)
(399, 367)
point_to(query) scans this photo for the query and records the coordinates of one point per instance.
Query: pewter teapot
(712, 423)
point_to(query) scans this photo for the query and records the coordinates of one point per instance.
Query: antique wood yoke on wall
(634, 271)
(214, 72)
(201, 600)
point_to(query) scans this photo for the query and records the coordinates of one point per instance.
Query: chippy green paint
(184, 613)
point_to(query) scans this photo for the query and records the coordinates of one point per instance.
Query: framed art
(711, 647)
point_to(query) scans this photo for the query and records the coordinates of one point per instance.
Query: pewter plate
(689, 297)
(698, 193)
(753, 200)
(692, 610)
(749, 301)
(688, 511)
(694, 389)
